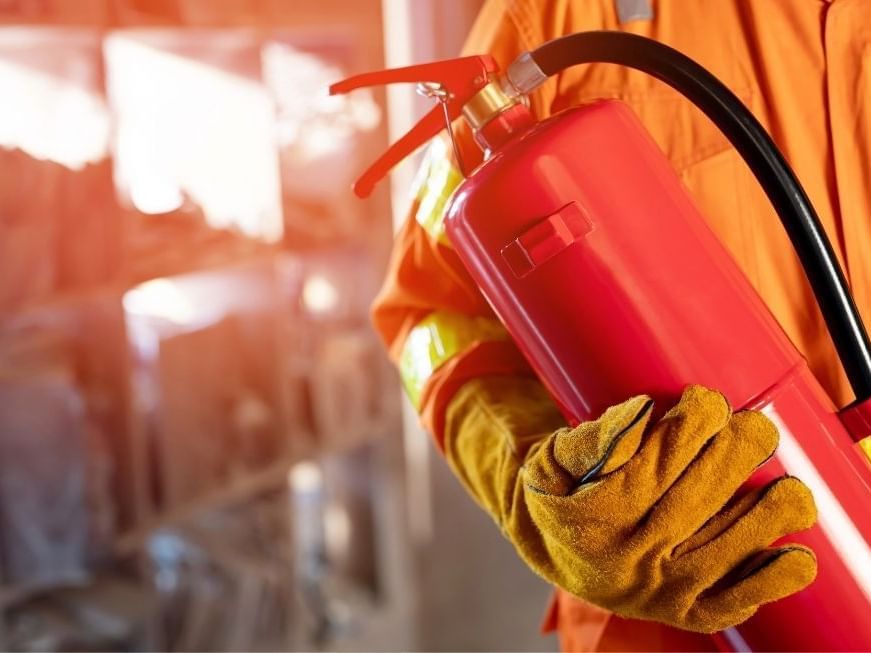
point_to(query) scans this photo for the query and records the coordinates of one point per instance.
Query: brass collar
(487, 103)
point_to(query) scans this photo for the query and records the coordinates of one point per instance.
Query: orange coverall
(802, 66)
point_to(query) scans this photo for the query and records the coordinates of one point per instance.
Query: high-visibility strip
(438, 180)
(435, 340)
(865, 445)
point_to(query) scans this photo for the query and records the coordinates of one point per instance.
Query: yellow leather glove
(633, 517)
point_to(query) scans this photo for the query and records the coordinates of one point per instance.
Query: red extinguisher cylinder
(591, 252)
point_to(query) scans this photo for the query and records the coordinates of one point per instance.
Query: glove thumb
(571, 457)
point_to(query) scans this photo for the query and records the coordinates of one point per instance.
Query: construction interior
(202, 443)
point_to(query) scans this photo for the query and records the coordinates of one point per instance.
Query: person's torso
(804, 68)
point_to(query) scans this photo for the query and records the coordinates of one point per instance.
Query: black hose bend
(762, 156)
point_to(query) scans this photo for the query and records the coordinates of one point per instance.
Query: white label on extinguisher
(629, 10)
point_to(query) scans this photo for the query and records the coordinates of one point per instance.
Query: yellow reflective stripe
(436, 339)
(865, 445)
(417, 186)
(439, 179)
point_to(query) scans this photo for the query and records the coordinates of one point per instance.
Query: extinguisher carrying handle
(455, 81)
(757, 149)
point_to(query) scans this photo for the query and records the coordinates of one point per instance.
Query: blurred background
(202, 444)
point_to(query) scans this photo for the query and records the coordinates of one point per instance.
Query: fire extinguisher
(588, 248)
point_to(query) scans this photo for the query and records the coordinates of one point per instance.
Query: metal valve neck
(495, 115)
(486, 104)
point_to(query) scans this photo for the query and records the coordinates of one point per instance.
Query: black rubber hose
(761, 154)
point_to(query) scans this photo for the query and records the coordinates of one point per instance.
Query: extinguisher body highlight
(591, 252)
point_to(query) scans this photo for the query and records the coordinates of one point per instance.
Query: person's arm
(438, 328)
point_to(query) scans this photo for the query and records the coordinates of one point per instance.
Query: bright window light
(316, 131)
(305, 477)
(195, 121)
(319, 295)
(52, 107)
(337, 529)
(160, 298)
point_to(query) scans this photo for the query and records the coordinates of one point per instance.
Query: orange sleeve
(425, 276)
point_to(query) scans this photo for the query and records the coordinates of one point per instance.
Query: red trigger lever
(458, 79)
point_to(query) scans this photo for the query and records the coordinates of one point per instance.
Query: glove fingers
(783, 507)
(774, 574)
(748, 440)
(673, 444)
(575, 456)
(605, 444)
(720, 522)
